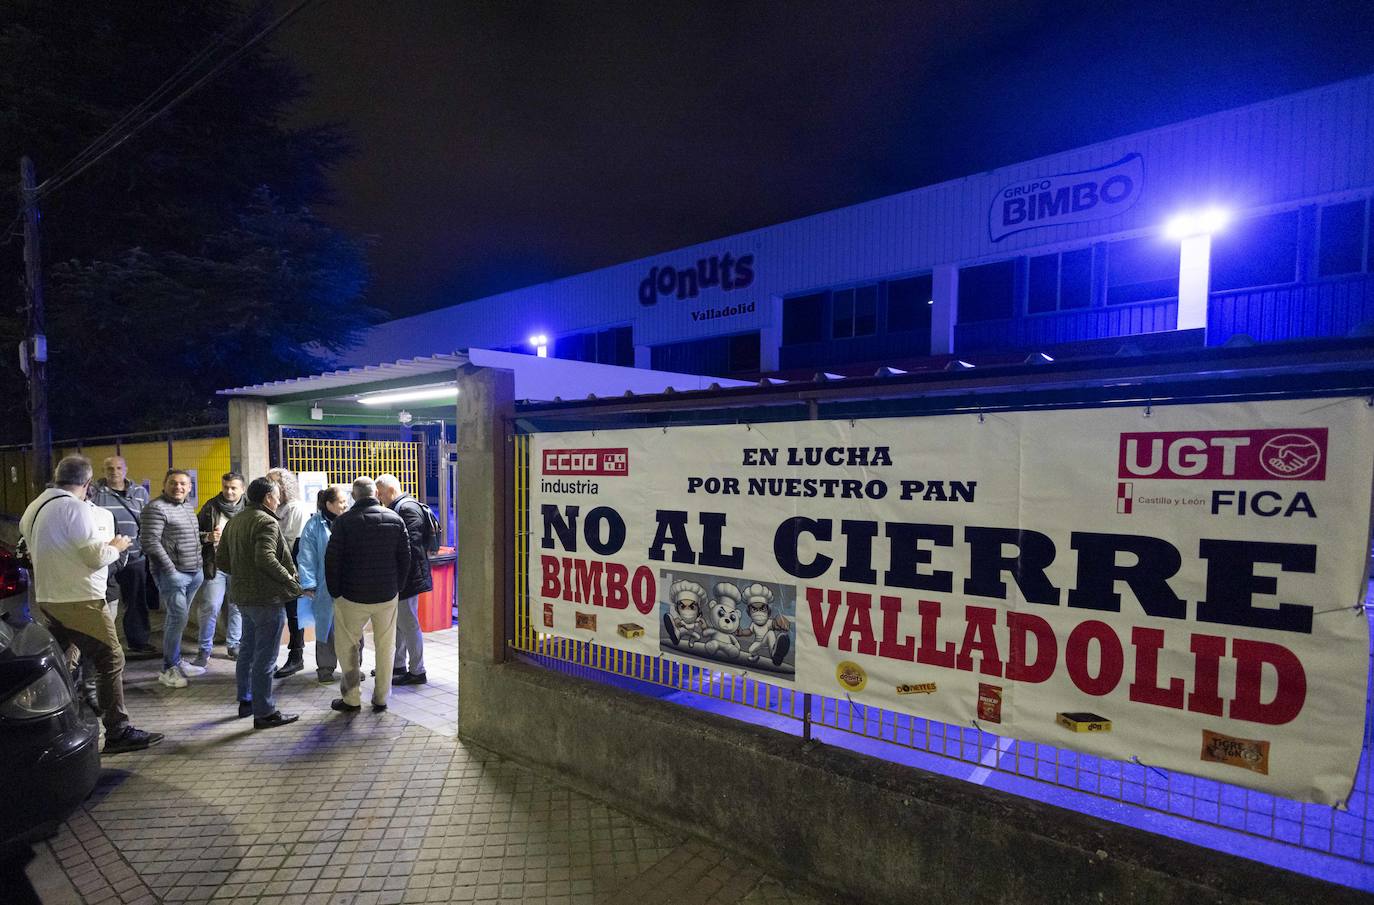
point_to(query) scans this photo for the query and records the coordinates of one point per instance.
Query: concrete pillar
(248, 448)
(1194, 281)
(945, 312)
(485, 402)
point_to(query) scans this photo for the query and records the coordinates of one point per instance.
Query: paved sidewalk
(358, 809)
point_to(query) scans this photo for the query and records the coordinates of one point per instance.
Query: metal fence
(203, 450)
(1128, 792)
(344, 460)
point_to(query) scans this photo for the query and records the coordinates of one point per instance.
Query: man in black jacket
(365, 569)
(410, 640)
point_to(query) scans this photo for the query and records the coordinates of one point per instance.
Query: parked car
(51, 742)
(14, 586)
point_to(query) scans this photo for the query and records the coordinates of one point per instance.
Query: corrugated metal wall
(1310, 147)
(1329, 308)
(147, 461)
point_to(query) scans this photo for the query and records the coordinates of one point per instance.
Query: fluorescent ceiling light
(415, 395)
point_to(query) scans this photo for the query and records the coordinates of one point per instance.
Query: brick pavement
(362, 809)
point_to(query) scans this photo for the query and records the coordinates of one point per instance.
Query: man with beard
(170, 538)
(212, 518)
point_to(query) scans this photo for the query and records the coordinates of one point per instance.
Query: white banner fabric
(1179, 585)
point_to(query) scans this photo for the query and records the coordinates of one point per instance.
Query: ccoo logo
(591, 462)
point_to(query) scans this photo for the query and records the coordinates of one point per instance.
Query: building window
(987, 292)
(842, 314)
(1260, 251)
(854, 312)
(575, 347)
(744, 353)
(616, 347)
(803, 319)
(717, 356)
(1141, 270)
(908, 304)
(1059, 282)
(608, 347)
(1342, 237)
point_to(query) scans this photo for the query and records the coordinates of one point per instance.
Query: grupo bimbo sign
(1182, 590)
(1066, 198)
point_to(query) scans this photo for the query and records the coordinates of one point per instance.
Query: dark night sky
(505, 144)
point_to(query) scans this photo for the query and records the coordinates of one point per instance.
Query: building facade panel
(1105, 204)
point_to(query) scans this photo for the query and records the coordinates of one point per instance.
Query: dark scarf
(328, 516)
(225, 508)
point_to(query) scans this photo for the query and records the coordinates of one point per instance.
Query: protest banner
(1179, 585)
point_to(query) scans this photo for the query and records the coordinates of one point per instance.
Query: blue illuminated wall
(1063, 250)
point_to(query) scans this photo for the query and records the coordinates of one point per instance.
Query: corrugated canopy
(541, 379)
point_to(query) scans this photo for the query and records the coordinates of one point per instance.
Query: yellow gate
(344, 460)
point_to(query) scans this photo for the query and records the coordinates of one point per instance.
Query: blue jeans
(207, 611)
(176, 590)
(262, 627)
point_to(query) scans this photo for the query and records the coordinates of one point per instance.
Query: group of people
(260, 552)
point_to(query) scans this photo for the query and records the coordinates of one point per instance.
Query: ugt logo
(1284, 454)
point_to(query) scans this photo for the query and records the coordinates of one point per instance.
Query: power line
(143, 106)
(52, 185)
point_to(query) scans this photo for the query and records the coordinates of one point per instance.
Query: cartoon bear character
(724, 622)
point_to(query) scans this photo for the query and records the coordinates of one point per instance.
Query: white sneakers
(176, 676)
(172, 678)
(189, 669)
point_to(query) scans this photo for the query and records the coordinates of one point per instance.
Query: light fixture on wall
(540, 341)
(418, 394)
(316, 413)
(1193, 231)
(1198, 223)
(404, 417)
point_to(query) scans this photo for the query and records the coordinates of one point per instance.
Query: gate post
(486, 401)
(248, 436)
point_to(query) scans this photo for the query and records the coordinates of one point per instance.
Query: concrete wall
(871, 830)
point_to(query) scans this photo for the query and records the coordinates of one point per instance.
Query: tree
(189, 259)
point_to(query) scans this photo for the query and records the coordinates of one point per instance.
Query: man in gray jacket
(170, 537)
(125, 501)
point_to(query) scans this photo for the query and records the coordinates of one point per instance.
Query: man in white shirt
(72, 544)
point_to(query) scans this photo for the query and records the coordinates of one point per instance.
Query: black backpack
(432, 533)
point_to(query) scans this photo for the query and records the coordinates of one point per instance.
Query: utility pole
(34, 351)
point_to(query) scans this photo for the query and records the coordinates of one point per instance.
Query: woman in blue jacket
(330, 503)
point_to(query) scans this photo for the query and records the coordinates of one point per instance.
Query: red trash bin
(436, 606)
